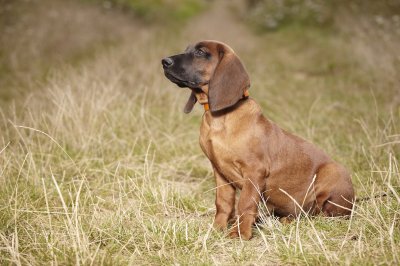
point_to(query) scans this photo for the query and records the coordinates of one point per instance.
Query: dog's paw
(245, 235)
(220, 222)
(220, 226)
(286, 220)
(233, 234)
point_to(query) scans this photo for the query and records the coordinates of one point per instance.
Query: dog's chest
(220, 145)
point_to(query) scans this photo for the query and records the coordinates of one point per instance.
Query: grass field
(99, 165)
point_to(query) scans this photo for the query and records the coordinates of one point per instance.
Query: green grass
(99, 165)
(156, 11)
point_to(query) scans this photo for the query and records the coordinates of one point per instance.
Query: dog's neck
(202, 97)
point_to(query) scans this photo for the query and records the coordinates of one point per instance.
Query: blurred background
(99, 165)
(40, 35)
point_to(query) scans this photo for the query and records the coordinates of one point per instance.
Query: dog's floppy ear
(228, 83)
(190, 103)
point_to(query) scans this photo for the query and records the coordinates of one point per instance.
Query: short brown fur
(251, 153)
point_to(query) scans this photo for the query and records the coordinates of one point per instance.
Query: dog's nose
(167, 62)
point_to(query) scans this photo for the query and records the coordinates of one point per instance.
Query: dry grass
(38, 36)
(100, 166)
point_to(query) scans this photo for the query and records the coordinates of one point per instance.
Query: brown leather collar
(206, 106)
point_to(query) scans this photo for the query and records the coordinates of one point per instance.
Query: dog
(251, 153)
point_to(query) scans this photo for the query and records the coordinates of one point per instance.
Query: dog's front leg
(224, 201)
(248, 207)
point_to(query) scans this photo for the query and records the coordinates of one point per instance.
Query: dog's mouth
(180, 82)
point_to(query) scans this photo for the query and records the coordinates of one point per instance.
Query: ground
(99, 164)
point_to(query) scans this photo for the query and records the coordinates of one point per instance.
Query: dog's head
(212, 68)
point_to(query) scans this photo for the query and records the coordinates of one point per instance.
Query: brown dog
(251, 153)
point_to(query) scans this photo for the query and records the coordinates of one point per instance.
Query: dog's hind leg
(335, 194)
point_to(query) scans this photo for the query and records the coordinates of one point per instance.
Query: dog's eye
(199, 53)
